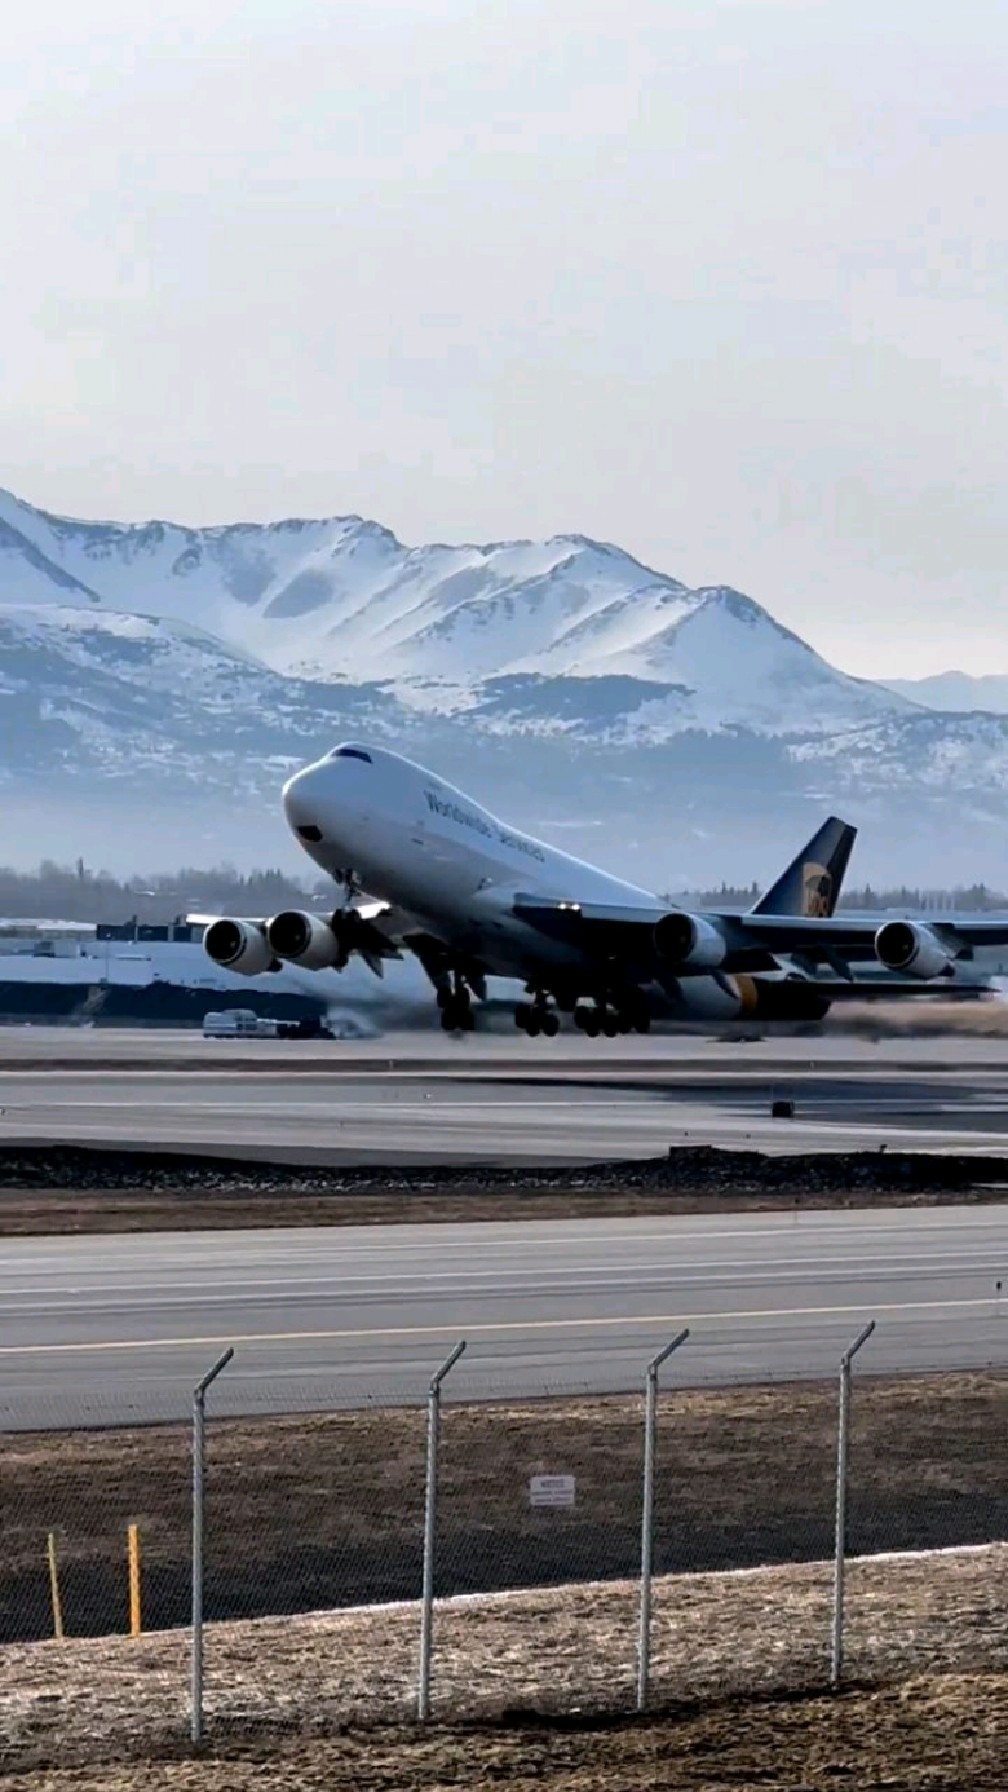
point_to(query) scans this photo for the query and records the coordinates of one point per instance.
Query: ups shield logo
(817, 891)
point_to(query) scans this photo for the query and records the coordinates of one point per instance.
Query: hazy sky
(723, 282)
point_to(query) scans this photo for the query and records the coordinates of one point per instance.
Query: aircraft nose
(300, 804)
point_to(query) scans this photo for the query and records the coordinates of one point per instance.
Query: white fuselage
(471, 897)
(411, 839)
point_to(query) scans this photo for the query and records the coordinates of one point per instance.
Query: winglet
(811, 884)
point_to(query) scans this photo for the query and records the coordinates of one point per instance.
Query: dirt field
(29, 1213)
(931, 1632)
(307, 1513)
(929, 1734)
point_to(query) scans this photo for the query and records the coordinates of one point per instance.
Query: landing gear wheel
(455, 1002)
(457, 1015)
(535, 1017)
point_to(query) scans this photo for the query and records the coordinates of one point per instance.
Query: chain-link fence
(314, 1538)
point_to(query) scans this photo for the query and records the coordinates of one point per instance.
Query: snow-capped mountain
(344, 600)
(956, 691)
(152, 674)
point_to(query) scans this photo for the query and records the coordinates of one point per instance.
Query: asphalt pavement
(113, 1329)
(518, 1110)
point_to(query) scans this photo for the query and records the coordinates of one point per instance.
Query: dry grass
(306, 1513)
(53, 1211)
(936, 1733)
(725, 1647)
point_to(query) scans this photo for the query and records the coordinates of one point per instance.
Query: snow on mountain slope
(214, 576)
(339, 598)
(99, 693)
(343, 600)
(742, 667)
(159, 682)
(956, 691)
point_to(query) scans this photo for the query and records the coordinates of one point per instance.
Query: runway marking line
(520, 1280)
(484, 1328)
(348, 1241)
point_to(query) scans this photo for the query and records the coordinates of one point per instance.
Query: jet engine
(689, 943)
(908, 947)
(237, 946)
(308, 941)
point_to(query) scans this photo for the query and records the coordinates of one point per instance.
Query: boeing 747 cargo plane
(474, 898)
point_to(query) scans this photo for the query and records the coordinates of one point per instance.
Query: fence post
(430, 1528)
(840, 1541)
(647, 1516)
(199, 1406)
(54, 1589)
(133, 1562)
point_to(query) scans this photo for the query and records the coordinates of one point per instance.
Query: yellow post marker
(133, 1537)
(57, 1608)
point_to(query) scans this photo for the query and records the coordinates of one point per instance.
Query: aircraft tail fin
(811, 884)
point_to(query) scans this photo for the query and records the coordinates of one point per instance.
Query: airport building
(135, 973)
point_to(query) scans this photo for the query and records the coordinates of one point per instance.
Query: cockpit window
(350, 753)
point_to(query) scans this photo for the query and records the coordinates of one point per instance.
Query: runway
(98, 1330)
(499, 1100)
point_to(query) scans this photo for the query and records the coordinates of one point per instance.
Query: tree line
(56, 892)
(74, 893)
(965, 900)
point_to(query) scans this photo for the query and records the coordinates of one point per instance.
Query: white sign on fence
(552, 1490)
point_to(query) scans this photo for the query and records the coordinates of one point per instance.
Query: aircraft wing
(751, 938)
(566, 919)
(853, 936)
(368, 911)
(373, 930)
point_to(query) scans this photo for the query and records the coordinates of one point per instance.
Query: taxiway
(118, 1329)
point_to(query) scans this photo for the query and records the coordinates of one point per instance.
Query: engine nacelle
(689, 943)
(307, 940)
(909, 947)
(237, 946)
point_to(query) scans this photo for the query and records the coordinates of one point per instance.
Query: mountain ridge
(204, 663)
(956, 692)
(353, 603)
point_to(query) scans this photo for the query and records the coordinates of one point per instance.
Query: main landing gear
(537, 1017)
(455, 1003)
(598, 1017)
(626, 1014)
